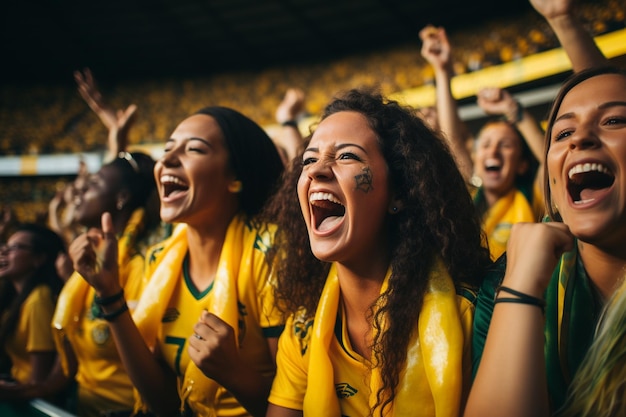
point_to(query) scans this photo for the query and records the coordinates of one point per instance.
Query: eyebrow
(338, 147)
(602, 106)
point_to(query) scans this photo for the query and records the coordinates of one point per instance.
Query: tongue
(589, 193)
(328, 223)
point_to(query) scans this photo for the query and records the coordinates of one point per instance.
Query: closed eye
(349, 155)
(308, 161)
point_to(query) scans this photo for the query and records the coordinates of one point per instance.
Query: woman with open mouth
(376, 267)
(29, 286)
(559, 275)
(202, 339)
(503, 170)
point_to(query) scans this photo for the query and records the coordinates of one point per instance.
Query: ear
(123, 197)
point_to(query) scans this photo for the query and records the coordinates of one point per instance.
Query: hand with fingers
(436, 47)
(498, 101)
(117, 122)
(213, 348)
(533, 251)
(94, 255)
(291, 106)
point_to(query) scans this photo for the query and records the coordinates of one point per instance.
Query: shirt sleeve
(37, 314)
(290, 382)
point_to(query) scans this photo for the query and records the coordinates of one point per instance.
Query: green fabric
(581, 312)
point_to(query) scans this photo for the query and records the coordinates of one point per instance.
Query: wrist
(290, 123)
(516, 114)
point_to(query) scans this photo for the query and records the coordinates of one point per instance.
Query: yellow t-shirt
(102, 379)
(33, 332)
(351, 374)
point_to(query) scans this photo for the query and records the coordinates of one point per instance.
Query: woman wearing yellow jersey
(123, 188)
(378, 278)
(29, 286)
(203, 337)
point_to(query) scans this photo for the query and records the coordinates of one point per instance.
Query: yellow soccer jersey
(258, 320)
(103, 381)
(350, 373)
(33, 332)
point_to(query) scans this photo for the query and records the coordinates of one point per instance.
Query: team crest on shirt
(171, 314)
(100, 333)
(345, 390)
(302, 325)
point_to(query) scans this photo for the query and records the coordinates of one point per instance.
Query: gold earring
(235, 186)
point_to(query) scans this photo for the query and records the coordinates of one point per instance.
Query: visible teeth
(323, 196)
(587, 167)
(171, 178)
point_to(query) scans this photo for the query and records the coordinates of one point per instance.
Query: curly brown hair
(438, 219)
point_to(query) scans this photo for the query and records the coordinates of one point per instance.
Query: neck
(605, 269)
(491, 197)
(205, 248)
(359, 291)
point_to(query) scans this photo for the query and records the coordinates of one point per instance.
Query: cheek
(303, 189)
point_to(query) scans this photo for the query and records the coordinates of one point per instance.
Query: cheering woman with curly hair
(379, 276)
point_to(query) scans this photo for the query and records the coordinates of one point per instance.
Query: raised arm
(578, 44)
(437, 51)
(117, 122)
(95, 258)
(289, 140)
(513, 363)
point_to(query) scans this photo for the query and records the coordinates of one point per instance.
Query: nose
(170, 158)
(583, 138)
(320, 170)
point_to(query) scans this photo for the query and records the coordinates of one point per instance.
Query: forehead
(342, 128)
(595, 91)
(199, 126)
(21, 237)
(498, 130)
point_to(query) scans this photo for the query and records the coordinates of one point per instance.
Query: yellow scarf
(508, 210)
(197, 391)
(69, 308)
(438, 344)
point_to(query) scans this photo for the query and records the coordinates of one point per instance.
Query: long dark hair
(253, 157)
(44, 242)
(438, 219)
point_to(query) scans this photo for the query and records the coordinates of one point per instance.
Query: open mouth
(586, 180)
(493, 165)
(173, 185)
(327, 210)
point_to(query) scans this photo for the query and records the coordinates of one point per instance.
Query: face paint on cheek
(364, 180)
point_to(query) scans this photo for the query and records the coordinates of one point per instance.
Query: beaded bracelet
(522, 298)
(115, 314)
(105, 301)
